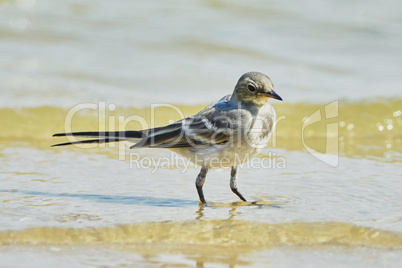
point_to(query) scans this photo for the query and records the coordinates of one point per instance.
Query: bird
(226, 133)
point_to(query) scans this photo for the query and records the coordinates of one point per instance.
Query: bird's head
(254, 87)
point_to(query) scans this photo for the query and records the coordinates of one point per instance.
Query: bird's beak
(273, 95)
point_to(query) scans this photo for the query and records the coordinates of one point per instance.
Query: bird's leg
(233, 183)
(199, 182)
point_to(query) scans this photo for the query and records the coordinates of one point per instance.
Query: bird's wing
(199, 130)
(208, 127)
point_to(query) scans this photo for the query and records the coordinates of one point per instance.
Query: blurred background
(133, 53)
(88, 209)
(57, 54)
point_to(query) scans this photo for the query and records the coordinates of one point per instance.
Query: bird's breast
(261, 128)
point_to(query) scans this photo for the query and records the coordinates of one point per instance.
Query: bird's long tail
(102, 137)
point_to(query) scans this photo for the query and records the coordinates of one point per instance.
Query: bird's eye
(251, 87)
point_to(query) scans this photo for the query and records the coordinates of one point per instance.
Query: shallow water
(326, 191)
(55, 200)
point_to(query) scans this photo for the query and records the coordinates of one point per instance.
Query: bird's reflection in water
(232, 258)
(234, 206)
(200, 212)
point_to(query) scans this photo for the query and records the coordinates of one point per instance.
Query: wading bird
(225, 134)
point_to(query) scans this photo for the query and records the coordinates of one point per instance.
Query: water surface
(113, 207)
